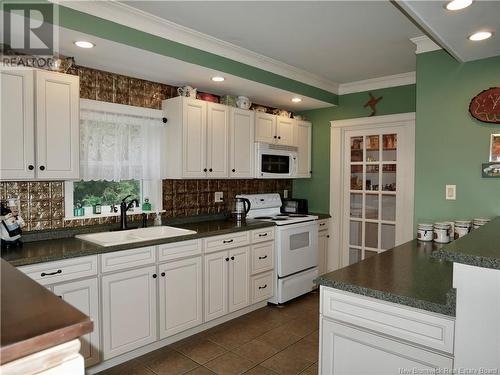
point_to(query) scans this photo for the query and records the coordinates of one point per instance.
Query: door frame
(337, 152)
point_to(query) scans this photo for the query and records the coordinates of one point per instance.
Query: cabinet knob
(232, 258)
(210, 170)
(205, 169)
(31, 167)
(279, 137)
(264, 257)
(163, 274)
(227, 259)
(327, 236)
(155, 275)
(263, 287)
(42, 168)
(233, 170)
(275, 137)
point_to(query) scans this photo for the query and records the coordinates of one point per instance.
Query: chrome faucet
(124, 207)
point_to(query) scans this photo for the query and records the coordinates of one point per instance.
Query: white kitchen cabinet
(239, 278)
(285, 128)
(194, 137)
(323, 237)
(265, 127)
(128, 310)
(84, 295)
(17, 158)
(241, 143)
(180, 297)
(216, 296)
(217, 140)
(343, 346)
(303, 139)
(42, 105)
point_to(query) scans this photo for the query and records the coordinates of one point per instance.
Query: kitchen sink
(133, 235)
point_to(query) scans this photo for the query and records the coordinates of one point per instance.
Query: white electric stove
(296, 246)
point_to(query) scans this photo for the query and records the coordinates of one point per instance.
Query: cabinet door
(180, 296)
(128, 310)
(194, 137)
(303, 139)
(265, 127)
(83, 295)
(217, 140)
(323, 251)
(343, 346)
(17, 153)
(239, 278)
(285, 130)
(241, 143)
(57, 125)
(216, 266)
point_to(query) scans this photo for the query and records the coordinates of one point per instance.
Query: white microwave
(275, 161)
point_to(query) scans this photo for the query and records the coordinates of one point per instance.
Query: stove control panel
(260, 201)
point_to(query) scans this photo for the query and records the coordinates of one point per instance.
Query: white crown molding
(140, 20)
(424, 44)
(374, 120)
(378, 83)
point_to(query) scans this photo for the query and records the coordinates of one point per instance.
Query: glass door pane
(356, 149)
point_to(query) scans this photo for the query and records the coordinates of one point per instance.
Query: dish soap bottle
(157, 221)
(146, 206)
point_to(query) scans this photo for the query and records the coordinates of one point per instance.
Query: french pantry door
(372, 184)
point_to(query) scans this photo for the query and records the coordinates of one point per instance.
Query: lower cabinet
(343, 346)
(180, 296)
(128, 310)
(226, 282)
(323, 237)
(84, 295)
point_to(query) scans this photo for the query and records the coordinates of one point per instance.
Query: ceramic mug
(243, 102)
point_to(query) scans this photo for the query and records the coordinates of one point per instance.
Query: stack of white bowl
(446, 231)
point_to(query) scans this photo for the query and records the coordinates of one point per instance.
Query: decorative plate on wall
(485, 106)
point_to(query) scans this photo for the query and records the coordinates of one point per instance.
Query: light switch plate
(219, 197)
(451, 192)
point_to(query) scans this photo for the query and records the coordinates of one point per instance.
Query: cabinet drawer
(262, 287)
(262, 235)
(323, 224)
(262, 257)
(226, 241)
(120, 260)
(177, 250)
(62, 270)
(416, 326)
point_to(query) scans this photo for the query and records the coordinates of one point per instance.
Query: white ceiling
(451, 29)
(342, 41)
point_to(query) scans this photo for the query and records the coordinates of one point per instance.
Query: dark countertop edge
(94, 249)
(478, 261)
(321, 216)
(34, 319)
(448, 309)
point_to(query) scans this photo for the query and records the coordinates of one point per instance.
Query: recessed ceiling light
(458, 4)
(218, 79)
(480, 35)
(84, 44)
(296, 100)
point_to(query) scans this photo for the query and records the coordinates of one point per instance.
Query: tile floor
(268, 341)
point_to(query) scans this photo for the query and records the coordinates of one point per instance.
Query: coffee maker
(239, 209)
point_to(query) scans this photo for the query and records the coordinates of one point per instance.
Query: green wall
(399, 99)
(450, 144)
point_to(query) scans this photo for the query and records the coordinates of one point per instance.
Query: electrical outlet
(219, 197)
(285, 193)
(451, 192)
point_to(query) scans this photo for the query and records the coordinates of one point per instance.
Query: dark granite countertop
(63, 248)
(406, 274)
(479, 248)
(33, 318)
(320, 216)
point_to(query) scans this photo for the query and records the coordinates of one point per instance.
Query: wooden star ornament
(372, 103)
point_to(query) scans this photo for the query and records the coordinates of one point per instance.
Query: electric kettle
(239, 209)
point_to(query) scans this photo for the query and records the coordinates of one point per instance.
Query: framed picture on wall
(495, 147)
(491, 169)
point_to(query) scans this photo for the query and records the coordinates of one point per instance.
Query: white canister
(442, 232)
(425, 232)
(479, 222)
(462, 227)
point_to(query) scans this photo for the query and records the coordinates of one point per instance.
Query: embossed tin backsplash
(42, 203)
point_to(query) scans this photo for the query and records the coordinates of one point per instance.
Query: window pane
(388, 235)
(354, 255)
(390, 146)
(371, 209)
(356, 148)
(355, 233)
(369, 253)
(372, 172)
(389, 177)
(372, 148)
(356, 204)
(90, 193)
(356, 177)
(389, 207)
(371, 235)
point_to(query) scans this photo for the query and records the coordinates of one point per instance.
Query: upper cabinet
(303, 136)
(217, 139)
(274, 129)
(241, 143)
(45, 104)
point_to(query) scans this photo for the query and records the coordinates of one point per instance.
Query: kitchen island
(410, 309)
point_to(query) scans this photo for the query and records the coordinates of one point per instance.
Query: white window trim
(151, 189)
